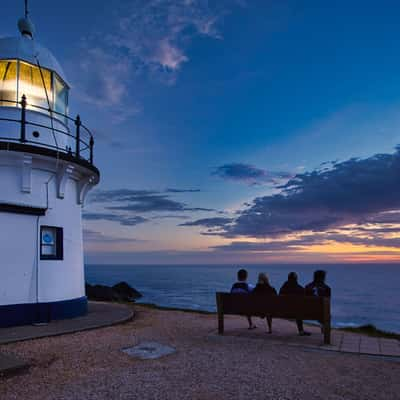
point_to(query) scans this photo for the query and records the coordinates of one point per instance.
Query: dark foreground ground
(241, 365)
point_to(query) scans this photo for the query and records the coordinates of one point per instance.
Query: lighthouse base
(31, 313)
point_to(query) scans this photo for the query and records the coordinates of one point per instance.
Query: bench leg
(327, 332)
(220, 312)
(327, 320)
(220, 323)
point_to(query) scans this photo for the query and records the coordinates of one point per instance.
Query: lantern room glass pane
(60, 95)
(8, 82)
(34, 83)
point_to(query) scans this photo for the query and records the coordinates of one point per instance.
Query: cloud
(388, 217)
(358, 236)
(101, 196)
(172, 216)
(124, 205)
(350, 192)
(156, 203)
(171, 190)
(371, 241)
(104, 196)
(368, 229)
(157, 32)
(108, 83)
(168, 56)
(124, 220)
(216, 222)
(250, 174)
(94, 236)
(271, 246)
(142, 38)
(102, 81)
(142, 201)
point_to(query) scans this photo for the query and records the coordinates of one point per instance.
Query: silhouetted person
(264, 288)
(292, 288)
(241, 286)
(318, 287)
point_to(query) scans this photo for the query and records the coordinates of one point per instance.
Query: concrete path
(284, 332)
(10, 365)
(100, 314)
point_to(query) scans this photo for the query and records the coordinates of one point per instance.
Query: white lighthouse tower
(46, 170)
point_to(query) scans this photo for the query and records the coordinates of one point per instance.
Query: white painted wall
(19, 234)
(61, 280)
(11, 165)
(18, 261)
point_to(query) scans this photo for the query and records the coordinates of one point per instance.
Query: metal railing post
(91, 149)
(23, 119)
(78, 124)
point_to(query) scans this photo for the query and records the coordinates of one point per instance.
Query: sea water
(361, 293)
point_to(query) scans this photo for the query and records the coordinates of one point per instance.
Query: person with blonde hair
(264, 288)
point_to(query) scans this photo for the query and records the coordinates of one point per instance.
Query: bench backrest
(300, 307)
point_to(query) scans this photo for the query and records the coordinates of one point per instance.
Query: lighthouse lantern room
(46, 171)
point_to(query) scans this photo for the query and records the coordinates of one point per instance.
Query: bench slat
(278, 306)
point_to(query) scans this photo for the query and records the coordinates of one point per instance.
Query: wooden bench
(288, 307)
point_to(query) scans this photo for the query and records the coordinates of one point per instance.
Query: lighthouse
(46, 171)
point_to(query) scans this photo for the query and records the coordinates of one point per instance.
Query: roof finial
(25, 25)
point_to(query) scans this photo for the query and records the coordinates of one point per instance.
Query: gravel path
(90, 365)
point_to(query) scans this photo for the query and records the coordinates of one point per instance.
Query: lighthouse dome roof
(25, 49)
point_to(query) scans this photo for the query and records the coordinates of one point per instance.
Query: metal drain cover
(149, 350)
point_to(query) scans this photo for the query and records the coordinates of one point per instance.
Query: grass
(372, 330)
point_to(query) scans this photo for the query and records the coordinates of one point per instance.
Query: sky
(234, 131)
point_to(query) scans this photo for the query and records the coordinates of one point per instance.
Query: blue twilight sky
(224, 102)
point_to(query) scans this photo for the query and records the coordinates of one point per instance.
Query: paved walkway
(10, 365)
(284, 332)
(100, 314)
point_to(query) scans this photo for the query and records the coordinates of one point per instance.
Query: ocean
(362, 293)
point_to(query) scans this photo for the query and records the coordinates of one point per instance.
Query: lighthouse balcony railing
(43, 127)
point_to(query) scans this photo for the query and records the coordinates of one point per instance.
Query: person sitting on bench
(292, 288)
(318, 287)
(241, 286)
(264, 288)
